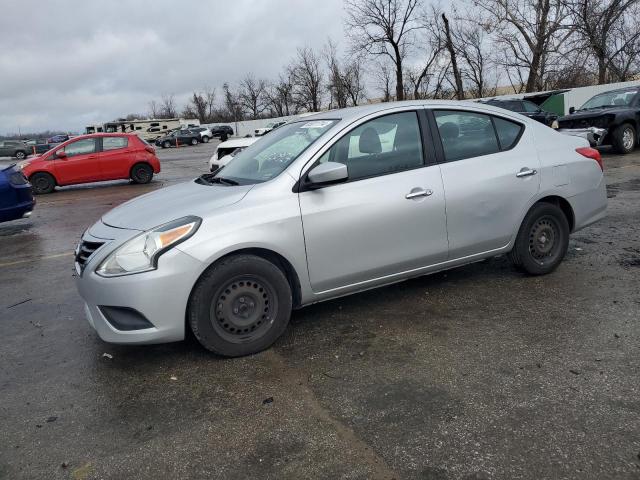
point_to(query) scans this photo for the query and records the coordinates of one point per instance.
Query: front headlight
(555, 124)
(140, 254)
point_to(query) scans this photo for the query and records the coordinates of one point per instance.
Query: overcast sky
(71, 63)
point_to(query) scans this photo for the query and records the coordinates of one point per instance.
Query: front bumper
(594, 135)
(160, 296)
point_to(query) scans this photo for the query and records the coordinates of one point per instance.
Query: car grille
(84, 251)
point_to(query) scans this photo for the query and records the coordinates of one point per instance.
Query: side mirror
(61, 154)
(327, 173)
(571, 110)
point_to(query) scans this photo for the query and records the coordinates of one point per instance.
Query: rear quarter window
(114, 143)
(508, 132)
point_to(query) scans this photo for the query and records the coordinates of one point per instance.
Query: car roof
(239, 142)
(354, 113)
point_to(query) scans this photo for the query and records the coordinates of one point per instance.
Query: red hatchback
(93, 158)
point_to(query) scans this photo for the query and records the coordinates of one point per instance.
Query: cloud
(69, 64)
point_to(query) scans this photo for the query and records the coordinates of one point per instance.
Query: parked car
(609, 118)
(38, 147)
(93, 158)
(220, 129)
(178, 138)
(225, 151)
(204, 132)
(14, 148)
(16, 200)
(58, 139)
(333, 204)
(270, 126)
(528, 109)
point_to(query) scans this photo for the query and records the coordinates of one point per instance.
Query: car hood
(167, 204)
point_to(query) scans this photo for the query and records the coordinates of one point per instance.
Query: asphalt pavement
(475, 373)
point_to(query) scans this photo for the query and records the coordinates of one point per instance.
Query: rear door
(115, 158)
(5, 151)
(388, 218)
(490, 173)
(81, 163)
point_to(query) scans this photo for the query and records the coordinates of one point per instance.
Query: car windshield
(270, 156)
(611, 99)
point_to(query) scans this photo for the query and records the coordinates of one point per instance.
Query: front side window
(465, 134)
(114, 143)
(269, 157)
(81, 147)
(384, 145)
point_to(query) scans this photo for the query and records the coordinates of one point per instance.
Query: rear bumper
(21, 210)
(594, 135)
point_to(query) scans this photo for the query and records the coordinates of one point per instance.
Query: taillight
(591, 153)
(150, 149)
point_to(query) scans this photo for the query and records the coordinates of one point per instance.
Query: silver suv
(330, 205)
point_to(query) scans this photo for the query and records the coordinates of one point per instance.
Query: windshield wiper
(210, 179)
(224, 181)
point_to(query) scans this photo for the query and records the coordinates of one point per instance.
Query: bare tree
(306, 76)
(384, 76)
(476, 59)
(232, 104)
(354, 82)
(604, 29)
(167, 107)
(453, 57)
(530, 30)
(154, 109)
(280, 96)
(252, 95)
(383, 28)
(336, 77)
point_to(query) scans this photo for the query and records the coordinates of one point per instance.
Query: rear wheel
(20, 155)
(542, 240)
(166, 144)
(141, 173)
(240, 306)
(42, 182)
(205, 139)
(624, 138)
(194, 141)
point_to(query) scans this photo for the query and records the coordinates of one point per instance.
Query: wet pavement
(476, 373)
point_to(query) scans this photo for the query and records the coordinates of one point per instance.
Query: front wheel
(240, 306)
(194, 141)
(205, 139)
(623, 138)
(166, 144)
(542, 240)
(20, 155)
(42, 182)
(141, 173)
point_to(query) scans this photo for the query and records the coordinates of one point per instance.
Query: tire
(20, 155)
(141, 173)
(240, 306)
(166, 144)
(42, 182)
(624, 138)
(194, 141)
(542, 240)
(205, 139)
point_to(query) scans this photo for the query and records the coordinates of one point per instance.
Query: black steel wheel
(240, 305)
(542, 240)
(141, 173)
(243, 309)
(42, 182)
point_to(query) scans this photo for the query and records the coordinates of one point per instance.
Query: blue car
(16, 200)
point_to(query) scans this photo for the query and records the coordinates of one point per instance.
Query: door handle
(418, 192)
(526, 172)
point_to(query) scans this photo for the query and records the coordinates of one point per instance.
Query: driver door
(387, 218)
(81, 163)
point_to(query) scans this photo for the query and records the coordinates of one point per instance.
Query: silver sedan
(333, 204)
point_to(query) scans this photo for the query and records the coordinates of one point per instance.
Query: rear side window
(381, 146)
(81, 147)
(114, 143)
(465, 134)
(508, 132)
